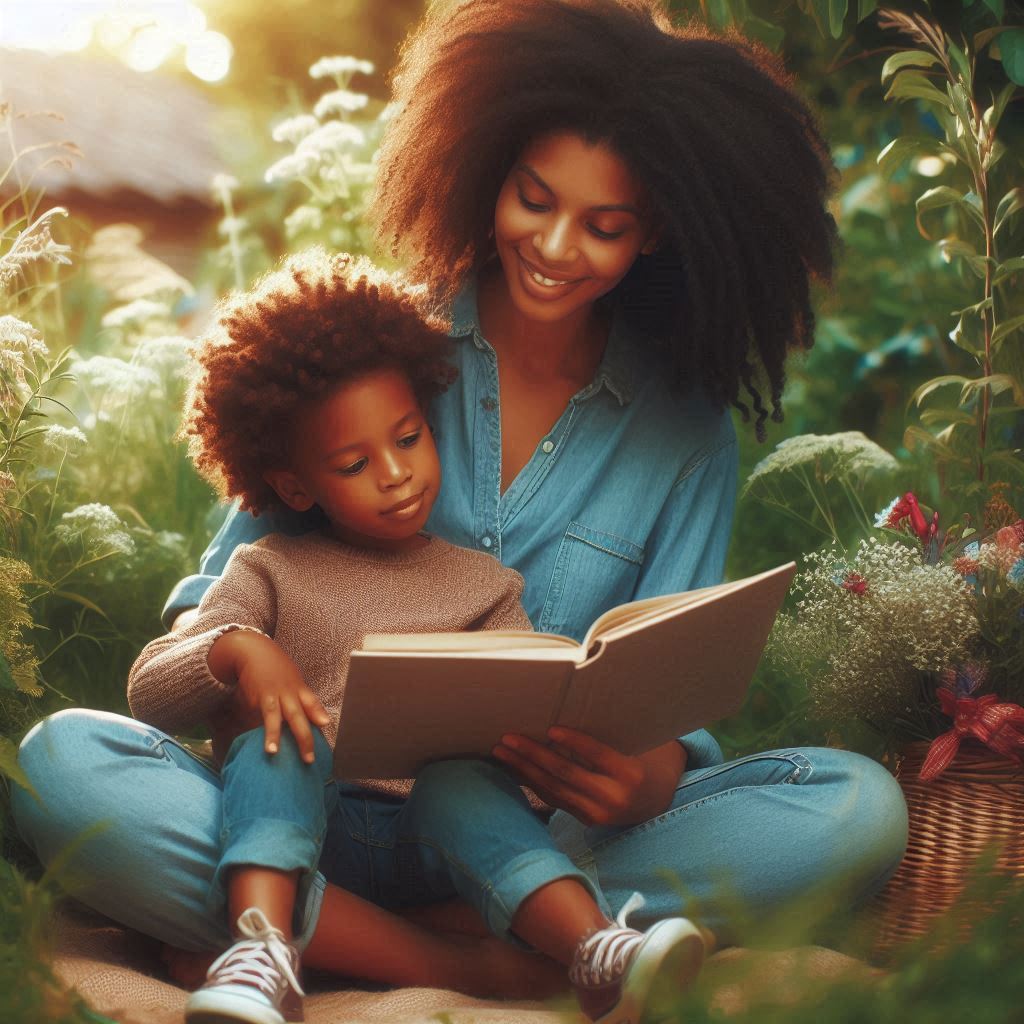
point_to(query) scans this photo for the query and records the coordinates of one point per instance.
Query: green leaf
(993, 115)
(942, 196)
(865, 7)
(908, 58)
(998, 383)
(1007, 269)
(1010, 204)
(982, 39)
(1012, 47)
(997, 7)
(9, 765)
(1006, 328)
(934, 384)
(766, 32)
(931, 417)
(899, 150)
(84, 601)
(963, 65)
(836, 17)
(915, 436)
(912, 85)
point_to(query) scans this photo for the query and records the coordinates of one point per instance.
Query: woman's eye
(530, 205)
(606, 236)
(354, 468)
(409, 440)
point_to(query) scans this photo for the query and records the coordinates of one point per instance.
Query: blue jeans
(154, 827)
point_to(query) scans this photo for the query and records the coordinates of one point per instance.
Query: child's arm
(173, 684)
(507, 612)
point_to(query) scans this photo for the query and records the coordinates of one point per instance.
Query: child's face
(366, 456)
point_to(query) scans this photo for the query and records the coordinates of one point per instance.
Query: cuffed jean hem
(308, 905)
(521, 878)
(264, 843)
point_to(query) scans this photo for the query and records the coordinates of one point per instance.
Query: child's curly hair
(730, 155)
(312, 324)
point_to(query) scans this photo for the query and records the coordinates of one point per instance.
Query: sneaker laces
(260, 960)
(602, 957)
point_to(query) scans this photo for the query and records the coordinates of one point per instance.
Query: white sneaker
(255, 981)
(614, 970)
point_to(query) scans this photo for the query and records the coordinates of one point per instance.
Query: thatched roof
(144, 133)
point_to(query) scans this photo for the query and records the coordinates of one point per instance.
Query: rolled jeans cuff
(264, 843)
(522, 877)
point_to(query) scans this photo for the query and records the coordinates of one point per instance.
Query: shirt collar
(615, 372)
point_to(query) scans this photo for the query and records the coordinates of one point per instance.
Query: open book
(645, 672)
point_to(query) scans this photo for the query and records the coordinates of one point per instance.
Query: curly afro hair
(303, 329)
(734, 165)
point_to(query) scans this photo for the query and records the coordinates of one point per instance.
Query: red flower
(966, 566)
(908, 508)
(855, 584)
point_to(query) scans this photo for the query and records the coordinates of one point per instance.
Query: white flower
(303, 218)
(20, 344)
(34, 243)
(294, 129)
(340, 101)
(136, 312)
(332, 67)
(883, 517)
(223, 183)
(295, 165)
(232, 225)
(850, 453)
(332, 137)
(167, 355)
(99, 527)
(65, 439)
(119, 382)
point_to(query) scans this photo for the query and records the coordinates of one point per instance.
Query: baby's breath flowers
(98, 528)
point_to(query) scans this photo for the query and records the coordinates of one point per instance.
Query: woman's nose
(554, 243)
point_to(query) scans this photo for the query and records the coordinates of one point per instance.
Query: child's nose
(394, 471)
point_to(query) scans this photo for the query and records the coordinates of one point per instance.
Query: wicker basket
(978, 801)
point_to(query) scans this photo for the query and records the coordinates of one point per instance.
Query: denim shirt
(629, 495)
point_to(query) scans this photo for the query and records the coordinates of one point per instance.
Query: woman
(625, 219)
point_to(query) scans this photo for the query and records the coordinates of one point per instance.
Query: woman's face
(570, 220)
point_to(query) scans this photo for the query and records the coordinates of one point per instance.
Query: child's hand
(268, 687)
(592, 781)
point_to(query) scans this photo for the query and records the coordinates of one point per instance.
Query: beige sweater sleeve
(170, 685)
(508, 612)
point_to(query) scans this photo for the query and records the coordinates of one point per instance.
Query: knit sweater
(318, 598)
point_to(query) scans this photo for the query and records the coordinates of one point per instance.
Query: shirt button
(486, 541)
(547, 447)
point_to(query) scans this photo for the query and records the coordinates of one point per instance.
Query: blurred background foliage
(94, 530)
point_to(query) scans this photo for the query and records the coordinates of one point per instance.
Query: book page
(491, 641)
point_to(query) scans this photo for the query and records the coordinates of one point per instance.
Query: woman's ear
(289, 488)
(652, 243)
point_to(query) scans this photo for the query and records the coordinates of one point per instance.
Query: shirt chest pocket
(594, 571)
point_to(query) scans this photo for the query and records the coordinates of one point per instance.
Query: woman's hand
(591, 780)
(269, 688)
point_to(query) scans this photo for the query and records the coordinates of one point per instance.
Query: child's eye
(535, 207)
(354, 468)
(409, 440)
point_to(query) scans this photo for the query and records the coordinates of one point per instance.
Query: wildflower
(846, 453)
(136, 312)
(69, 440)
(99, 527)
(334, 67)
(295, 129)
(998, 511)
(7, 482)
(333, 137)
(167, 355)
(855, 584)
(232, 225)
(34, 243)
(966, 566)
(223, 184)
(1010, 536)
(20, 344)
(882, 520)
(339, 101)
(120, 383)
(294, 165)
(999, 557)
(303, 218)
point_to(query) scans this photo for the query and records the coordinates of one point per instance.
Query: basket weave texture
(977, 802)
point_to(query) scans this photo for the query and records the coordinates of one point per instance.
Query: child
(312, 393)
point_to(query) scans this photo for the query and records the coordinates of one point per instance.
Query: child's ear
(289, 489)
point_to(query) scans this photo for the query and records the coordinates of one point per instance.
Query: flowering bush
(906, 629)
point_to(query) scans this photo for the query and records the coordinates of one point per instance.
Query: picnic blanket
(120, 974)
